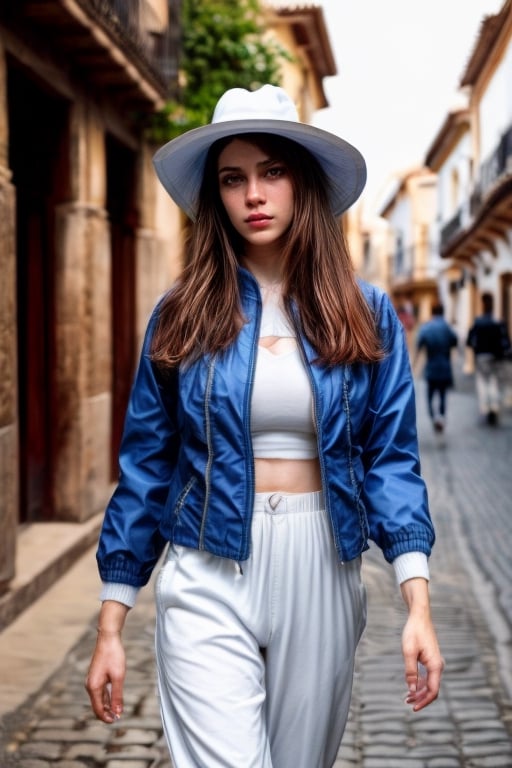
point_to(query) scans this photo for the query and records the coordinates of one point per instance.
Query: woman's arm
(397, 504)
(420, 646)
(130, 542)
(394, 492)
(107, 670)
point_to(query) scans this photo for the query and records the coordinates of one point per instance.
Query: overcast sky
(399, 65)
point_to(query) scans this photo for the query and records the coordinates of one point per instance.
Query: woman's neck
(266, 268)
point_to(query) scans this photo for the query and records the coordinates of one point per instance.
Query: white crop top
(282, 425)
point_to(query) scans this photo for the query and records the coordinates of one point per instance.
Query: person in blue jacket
(437, 339)
(270, 435)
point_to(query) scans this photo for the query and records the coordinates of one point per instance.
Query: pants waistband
(289, 503)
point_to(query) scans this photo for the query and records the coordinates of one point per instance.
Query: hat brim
(179, 164)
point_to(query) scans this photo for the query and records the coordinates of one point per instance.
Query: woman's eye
(230, 180)
(276, 171)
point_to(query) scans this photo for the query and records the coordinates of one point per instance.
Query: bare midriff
(287, 475)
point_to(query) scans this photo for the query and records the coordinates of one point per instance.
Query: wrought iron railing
(451, 228)
(496, 165)
(413, 263)
(128, 21)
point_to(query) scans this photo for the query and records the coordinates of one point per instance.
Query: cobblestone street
(469, 475)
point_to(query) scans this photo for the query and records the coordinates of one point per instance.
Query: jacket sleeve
(505, 345)
(420, 339)
(470, 338)
(394, 492)
(130, 543)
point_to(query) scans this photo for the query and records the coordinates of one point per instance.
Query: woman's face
(257, 193)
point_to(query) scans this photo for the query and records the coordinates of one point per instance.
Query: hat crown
(267, 103)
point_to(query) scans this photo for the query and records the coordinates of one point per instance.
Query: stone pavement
(469, 473)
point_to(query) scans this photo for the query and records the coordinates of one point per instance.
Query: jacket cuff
(411, 565)
(121, 593)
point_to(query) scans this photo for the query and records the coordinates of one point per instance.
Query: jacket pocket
(180, 501)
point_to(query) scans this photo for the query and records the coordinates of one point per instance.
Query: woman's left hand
(423, 661)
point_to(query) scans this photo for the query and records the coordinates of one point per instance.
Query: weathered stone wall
(81, 480)
(8, 387)
(8, 368)
(82, 305)
(159, 241)
(83, 327)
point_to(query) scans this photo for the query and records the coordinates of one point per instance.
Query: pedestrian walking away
(490, 341)
(437, 339)
(270, 433)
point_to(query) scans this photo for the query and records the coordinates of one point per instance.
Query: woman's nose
(255, 191)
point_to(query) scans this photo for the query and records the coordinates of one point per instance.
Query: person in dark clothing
(490, 342)
(438, 339)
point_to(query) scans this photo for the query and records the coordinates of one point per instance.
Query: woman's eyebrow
(267, 161)
(229, 168)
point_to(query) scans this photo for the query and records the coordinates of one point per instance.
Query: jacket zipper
(248, 442)
(209, 462)
(247, 418)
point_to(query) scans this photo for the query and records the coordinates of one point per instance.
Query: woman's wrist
(416, 595)
(102, 632)
(111, 619)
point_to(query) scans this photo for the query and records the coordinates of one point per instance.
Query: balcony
(114, 45)
(498, 165)
(450, 229)
(490, 208)
(412, 268)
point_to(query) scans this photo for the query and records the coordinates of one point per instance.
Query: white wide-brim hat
(180, 163)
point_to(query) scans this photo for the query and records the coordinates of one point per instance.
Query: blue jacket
(438, 339)
(186, 462)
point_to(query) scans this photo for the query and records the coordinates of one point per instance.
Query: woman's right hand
(107, 670)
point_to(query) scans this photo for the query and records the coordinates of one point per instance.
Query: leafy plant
(223, 47)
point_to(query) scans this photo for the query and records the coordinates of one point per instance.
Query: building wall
(409, 257)
(8, 341)
(454, 179)
(495, 107)
(484, 260)
(300, 30)
(65, 260)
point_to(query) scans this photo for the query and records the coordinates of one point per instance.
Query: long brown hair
(202, 312)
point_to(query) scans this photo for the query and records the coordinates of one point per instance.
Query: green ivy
(222, 47)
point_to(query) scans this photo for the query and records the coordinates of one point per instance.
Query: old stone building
(300, 29)
(84, 248)
(89, 240)
(409, 261)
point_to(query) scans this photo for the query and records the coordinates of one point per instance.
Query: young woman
(270, 433)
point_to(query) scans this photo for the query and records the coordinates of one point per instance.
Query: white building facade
(472, 157)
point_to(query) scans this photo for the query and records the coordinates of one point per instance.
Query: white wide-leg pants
(255, 660)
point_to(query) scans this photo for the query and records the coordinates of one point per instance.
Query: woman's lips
(258, 220)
